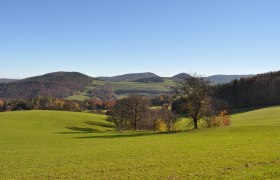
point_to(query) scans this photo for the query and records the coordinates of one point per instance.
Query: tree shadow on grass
(81, 130)
(102, 124)
(127, 135)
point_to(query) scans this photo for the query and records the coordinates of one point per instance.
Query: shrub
(223, 119)
(161, 126)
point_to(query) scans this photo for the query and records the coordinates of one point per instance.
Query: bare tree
(193, 93)
(168, 117)
(131, 111)
(139, 106)
(152, 119)
(119, 114)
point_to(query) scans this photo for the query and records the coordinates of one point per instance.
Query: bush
(161, 126)
(223, 119)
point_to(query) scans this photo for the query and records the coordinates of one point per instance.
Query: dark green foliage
(260, 90)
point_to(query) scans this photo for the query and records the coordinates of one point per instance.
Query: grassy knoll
(57, 145)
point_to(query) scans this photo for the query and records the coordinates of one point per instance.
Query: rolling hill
(58, 84)
(75, 86)
(180, 76)
(129, 77)
(67, 145)
(137, 77)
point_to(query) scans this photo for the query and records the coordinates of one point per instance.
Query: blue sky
(110, 37)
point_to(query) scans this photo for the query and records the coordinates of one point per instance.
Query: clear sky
(110, 37)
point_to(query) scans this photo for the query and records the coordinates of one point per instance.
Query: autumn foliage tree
(221, 119)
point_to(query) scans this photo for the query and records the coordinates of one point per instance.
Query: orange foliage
(161, 126)
(223, 119)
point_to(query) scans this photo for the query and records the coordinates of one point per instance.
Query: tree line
(193, 98)
(260, 90)
(134, 113)
(52, 103)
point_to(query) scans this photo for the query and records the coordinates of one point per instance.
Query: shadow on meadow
(80, 130)
(127, 135)
(88, 130)
(101, 124)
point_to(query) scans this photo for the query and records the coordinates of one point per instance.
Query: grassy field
(66, 145)
(160, 87)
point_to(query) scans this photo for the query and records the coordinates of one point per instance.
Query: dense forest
(259, 90)
(53, 103)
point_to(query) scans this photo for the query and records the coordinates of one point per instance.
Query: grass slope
(58, 145)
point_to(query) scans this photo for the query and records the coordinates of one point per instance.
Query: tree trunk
(195, 123)
(135, 124)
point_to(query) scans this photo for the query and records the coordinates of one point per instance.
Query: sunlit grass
(66, 145)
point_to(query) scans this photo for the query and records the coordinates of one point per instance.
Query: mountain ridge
(76, 85)
(5, 80)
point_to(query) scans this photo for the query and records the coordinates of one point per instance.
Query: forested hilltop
(259, 90)
(59, 84)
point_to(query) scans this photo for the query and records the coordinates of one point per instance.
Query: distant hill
(215, 79)
(58, 84)
(222, 79)
(7, 80)
(180, 76)
(129, 77)
(74, 85)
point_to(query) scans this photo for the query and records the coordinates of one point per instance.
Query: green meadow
(68, 145)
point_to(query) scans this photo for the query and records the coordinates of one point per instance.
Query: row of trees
(51, 103)
(193, 99)
(134, 112)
